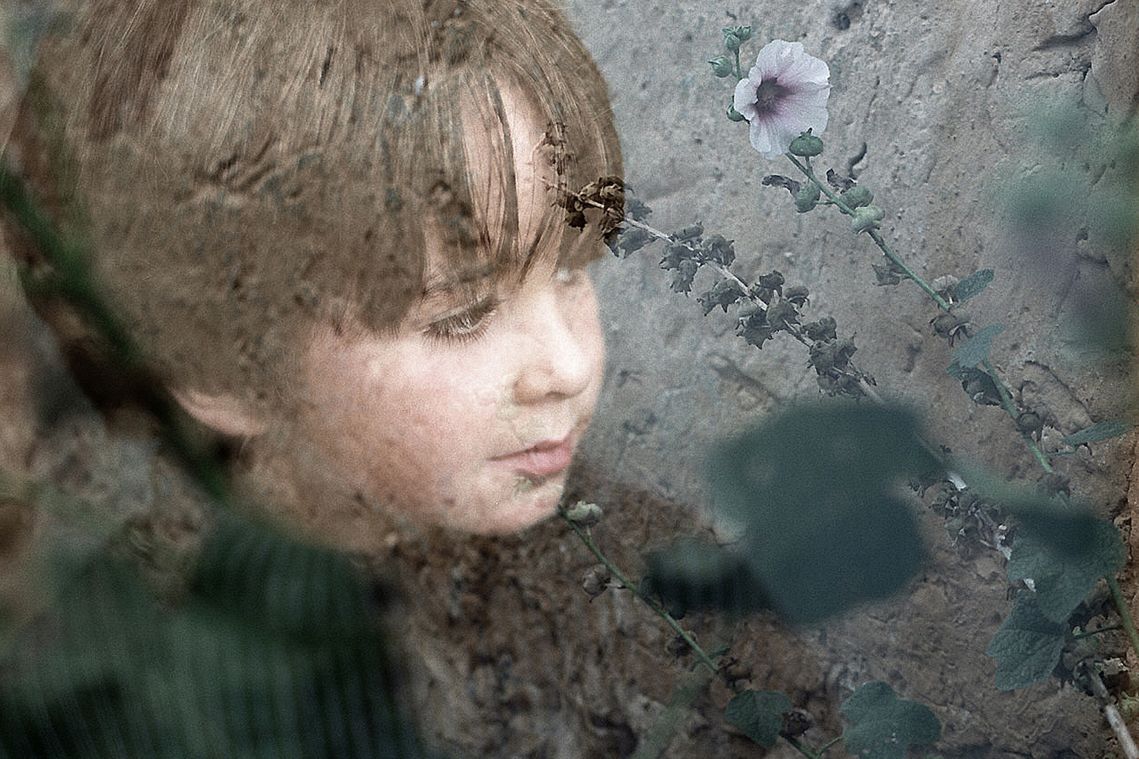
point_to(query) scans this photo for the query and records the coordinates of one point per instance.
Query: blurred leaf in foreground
(816, 491)
(1063, 578)
(277, 651)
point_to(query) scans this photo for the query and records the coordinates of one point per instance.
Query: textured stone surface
(945, 102)
(936, 109)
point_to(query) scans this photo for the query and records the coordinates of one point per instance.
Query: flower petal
(744, 98)
(774, 58)
(771, 136)
(805, 70)
(800, 100)
(801, 111)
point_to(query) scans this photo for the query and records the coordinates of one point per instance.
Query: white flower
(785, 94)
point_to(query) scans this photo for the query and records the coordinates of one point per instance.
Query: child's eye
(464, 326)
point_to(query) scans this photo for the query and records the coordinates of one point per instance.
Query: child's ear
(221, 413)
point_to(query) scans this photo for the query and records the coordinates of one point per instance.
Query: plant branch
(1093, 633)
(828, 744)
(1013, 412)
(660, 611)
(874, 234)
(1124, 611)
(1111, 713)
(802, 748)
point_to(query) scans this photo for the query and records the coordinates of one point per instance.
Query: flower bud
(806, 145)
(734, 115)
(866, 218)
(807, 198)
(773, 281)
(856, 196)
(781, 315)
(595, 580)
(721, 66)
(823, 329)
(685, 273)
(1030, 423)
(677, 646)
(719, 249)
(796, 722)
(584, 514)
(742, 33)
(731, 41)
(796, 295)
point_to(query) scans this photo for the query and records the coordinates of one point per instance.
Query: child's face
(440, 421)
(434, 421)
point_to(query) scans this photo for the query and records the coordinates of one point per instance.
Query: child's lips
(541, 460)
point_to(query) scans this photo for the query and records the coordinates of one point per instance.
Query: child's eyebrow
(438, 285)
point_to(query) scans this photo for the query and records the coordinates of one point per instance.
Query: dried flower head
(785, 94)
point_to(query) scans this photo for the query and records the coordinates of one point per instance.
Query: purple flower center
(768, 95)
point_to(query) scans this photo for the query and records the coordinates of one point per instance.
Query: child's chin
(518, 512)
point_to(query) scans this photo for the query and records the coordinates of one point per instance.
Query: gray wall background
(944, 97)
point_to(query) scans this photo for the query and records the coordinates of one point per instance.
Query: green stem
(1124, 611)
(1011, 409)
(614, 570)
(828, 744)
(1117, 598)
(739, 69)
(1100, 631)
(874, 234)
(802, 748)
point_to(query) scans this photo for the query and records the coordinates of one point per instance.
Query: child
(332, 227)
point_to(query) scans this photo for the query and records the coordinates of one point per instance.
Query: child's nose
(563, 352)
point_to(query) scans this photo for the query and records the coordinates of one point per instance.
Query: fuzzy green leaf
(1027, 647)
(884, 726)
(693, 575)
(972, 285)
(976, 350)
(1099, 431)
(759, 714)
(814, 489)
(1063, 575)
(223, 672)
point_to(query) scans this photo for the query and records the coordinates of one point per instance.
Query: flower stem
(1002, 389)
(828, 744)
(1124, 611)
(1111, 713)
(1011, 409)
(874, 234)
(739, 70)
(1100, 631)
(661, 612)
(804, 748)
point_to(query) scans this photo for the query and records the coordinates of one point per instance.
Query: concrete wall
(943, 100)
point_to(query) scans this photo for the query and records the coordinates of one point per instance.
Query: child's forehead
(490, 163)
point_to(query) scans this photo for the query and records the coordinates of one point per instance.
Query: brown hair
(243, 170)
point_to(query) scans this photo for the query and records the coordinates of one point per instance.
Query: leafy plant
(276, 651)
